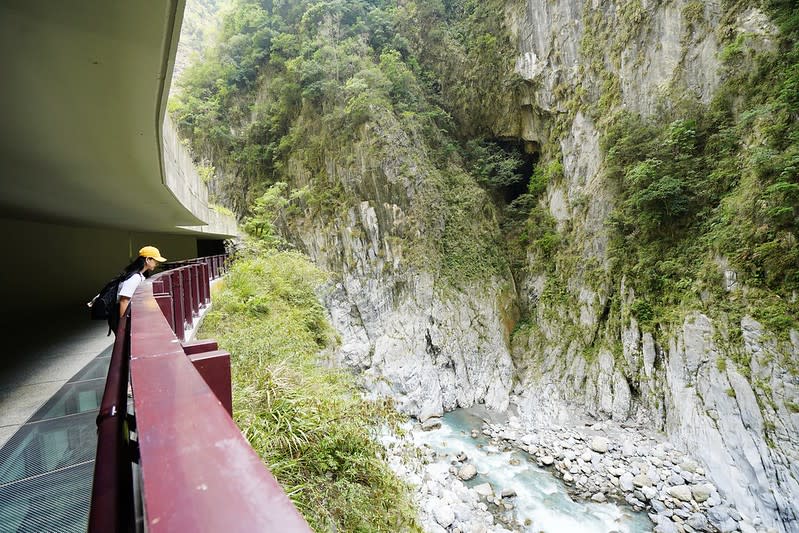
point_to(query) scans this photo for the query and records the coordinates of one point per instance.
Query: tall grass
(307, 421)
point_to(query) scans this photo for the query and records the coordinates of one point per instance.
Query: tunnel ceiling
(83, 89)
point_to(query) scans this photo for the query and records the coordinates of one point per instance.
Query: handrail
(112, 487)
(198, 472)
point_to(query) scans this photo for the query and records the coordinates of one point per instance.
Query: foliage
(699, 182)
(264, 214)
(543, 175)
(294, 93)
(307, 421)
(492, 166)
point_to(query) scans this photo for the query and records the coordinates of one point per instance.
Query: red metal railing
(198, 473)
(112, 487)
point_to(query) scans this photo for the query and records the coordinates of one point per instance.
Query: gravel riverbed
(600, 464)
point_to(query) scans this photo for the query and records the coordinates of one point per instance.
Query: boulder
(649, 492)
(689, 465)
(719, 517)
(699, 522)
(467, 472)
(702, 492)
(484, 490)
(675, 479)
(599, 444)
(680, 492)
(431, 424)
(626, 482)
(508, 493)
(547, 460)
(628, 448)
(599, 498)
(444, 515)
(665, 525)
(642, 480)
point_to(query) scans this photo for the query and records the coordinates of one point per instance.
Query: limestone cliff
(740, 421)
(431, 341)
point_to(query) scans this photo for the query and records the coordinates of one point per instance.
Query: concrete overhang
(83, 91)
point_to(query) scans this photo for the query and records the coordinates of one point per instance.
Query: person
(148, 259)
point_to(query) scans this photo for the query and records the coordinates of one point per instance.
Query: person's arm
(124, 302)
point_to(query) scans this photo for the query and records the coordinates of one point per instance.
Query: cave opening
(528, 153)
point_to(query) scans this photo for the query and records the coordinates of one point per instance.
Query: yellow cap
(151, 251)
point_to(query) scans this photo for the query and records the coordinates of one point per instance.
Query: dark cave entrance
(528, 153)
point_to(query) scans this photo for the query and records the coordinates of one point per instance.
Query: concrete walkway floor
(51, 385)
(35, 363)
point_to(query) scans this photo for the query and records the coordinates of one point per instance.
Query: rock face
(431, 343)
(434, 344)
(728, 402)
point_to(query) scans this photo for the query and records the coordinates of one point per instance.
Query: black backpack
(104, 306)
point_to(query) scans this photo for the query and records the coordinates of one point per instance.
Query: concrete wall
(57, 267)
(181, 177)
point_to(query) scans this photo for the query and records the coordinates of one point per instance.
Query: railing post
(206, 283)
(195, 285)
(184, 278)
(177, 300)
(164, 301)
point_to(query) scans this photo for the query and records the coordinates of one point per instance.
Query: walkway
(49, 395)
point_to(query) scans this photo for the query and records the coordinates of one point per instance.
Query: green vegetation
(306, 420)
(718, 181)
(312, 93)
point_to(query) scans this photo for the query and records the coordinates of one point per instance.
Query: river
(543, 502)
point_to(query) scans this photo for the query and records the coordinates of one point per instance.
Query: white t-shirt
(129, 286)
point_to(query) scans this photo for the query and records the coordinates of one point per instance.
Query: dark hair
(136, 266)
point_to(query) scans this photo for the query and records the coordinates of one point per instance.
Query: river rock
(702, 492)
(547, 460)
(599, 444)
(628, 448)
(689, 465)
(681, 492)
(714, 500)
(462, 512)
(659, 508)
(642, 480)
(431, 424)
(444, 515)
(649, 492)
(587, 456)
(484, 490)
(719, 517)
(508, 493)
(432, 527)
(676, 479)
(665, 525)
(626, 482)
(467, 472)
(599, 498)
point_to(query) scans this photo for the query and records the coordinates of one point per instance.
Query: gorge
(558, 209)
